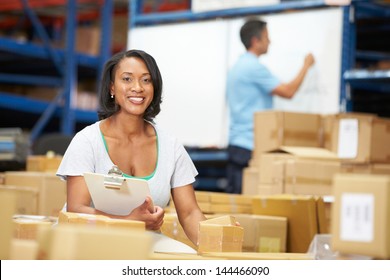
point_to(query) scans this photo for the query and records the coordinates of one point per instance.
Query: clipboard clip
(114, 179)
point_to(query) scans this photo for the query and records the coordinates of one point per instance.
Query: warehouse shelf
(26, 62)
(138, 19)
(366, 43)
(30, 105)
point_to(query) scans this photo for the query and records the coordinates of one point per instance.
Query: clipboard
(116, 195)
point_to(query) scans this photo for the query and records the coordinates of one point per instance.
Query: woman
(125, 136)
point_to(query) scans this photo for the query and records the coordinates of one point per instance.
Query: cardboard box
(23, 249)
(26, 199)
(216, 202)
(297, 170)
(263, 233)
(88, 39)
(311, 177)
(99, 220)
(361, 138)
(361, 215)
(324, 214)
(273, 129)
(301, 212)
(26, 226)
(365, 168)
(220, 235)
(43, 163)
(78, 242)
(250, 181)
(173, 229)
(259, 256)
(51, 189)
(7, 210)
(230, 203)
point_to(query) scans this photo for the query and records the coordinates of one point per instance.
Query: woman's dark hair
(252, 28)
(107, 105)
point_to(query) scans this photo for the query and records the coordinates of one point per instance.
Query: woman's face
(132, 86)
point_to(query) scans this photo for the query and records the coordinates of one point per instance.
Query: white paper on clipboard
(116, 200)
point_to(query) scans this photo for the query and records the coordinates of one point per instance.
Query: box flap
(307, 152)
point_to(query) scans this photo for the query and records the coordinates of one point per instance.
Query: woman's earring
(112, 96)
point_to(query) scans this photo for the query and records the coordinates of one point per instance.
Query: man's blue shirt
(249, 87)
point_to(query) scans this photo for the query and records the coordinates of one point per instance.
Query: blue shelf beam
(33, 50)
(30, 80)
(34, 106)
(348, 56)
(43, 35)
(166, 17)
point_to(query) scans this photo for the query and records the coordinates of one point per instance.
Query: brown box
(43, 163)
(23, 249)
(78, 242)
(250, 181)
(51, 189)
(273, 129)
(26, 226)
(98, 220)
(361, 138)
(312, 177)
(301, 212)
(26, 199)
(220, 235)
(324, 214)
(297, 170)
(88, 39)
(230, 203)
(259, 256)
(7, 210)
(263, 233)
(173, 229)
(361, 215)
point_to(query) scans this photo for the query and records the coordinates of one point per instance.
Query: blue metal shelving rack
(66, 64)
(354, 78)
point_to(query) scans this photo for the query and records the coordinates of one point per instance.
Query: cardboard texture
(99, 220)
(301, 213)
(26, 227)
(51, 189)
(273, 129)
(23, 249)
(259, 256)
(360, 215)
(26, 199)
(324, 214)
(263, 233)
(250, 181)
(215, 202)
(311, 177)
(220, 235)
(361, 138)
(297, 170)
(77, 242)
(7, 210)
(43, 163)
(173, 229)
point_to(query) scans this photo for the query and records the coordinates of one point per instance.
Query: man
(250, 87)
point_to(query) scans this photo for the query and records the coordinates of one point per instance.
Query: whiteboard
(194, 59)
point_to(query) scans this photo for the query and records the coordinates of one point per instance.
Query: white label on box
(348, 138)
(357, 217)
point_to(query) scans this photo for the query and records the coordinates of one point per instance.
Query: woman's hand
(153, 216)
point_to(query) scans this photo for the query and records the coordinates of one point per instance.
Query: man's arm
(288, 90)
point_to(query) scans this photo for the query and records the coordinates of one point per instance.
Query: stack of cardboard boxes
(297, 157)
